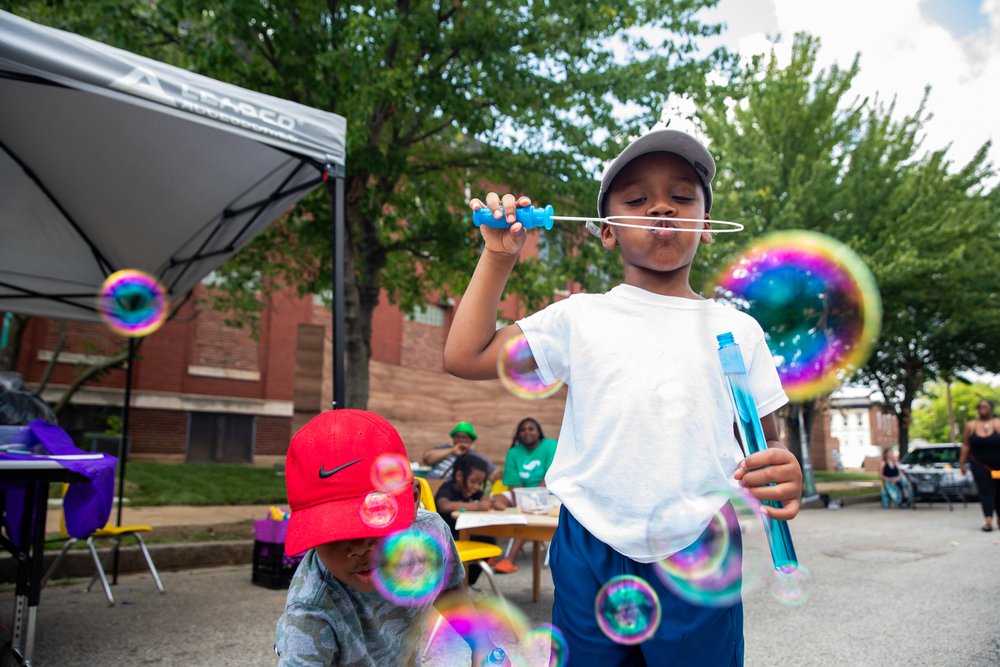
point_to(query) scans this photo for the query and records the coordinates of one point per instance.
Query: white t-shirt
(648, 425)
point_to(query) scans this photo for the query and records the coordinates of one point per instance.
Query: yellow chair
(116, 533)
(469, 551)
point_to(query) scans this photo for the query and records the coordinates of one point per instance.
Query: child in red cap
(341, 514)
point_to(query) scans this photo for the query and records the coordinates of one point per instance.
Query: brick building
(205, 391)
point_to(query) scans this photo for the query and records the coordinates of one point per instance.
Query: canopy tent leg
(123, 447)
(335, 187)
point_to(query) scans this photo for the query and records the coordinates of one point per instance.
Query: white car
(933, 471)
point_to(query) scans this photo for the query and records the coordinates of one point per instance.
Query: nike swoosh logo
(323, 474)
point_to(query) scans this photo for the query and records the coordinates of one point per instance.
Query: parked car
(932, 469)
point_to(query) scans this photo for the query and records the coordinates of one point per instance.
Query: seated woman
(894, 483)
(464, 491)
(528, 459)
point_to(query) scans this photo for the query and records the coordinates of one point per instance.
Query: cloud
(902, 50)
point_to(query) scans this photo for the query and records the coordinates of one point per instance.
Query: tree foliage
(442, 98)
(930, 416)
(797, 154)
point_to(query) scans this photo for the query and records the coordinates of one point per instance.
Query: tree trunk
(15, 331)
(793, 436)
(903, 419)
(357, 343)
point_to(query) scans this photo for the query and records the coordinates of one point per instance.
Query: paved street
(888, 587)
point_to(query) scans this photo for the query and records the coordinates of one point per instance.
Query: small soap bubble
(391, 473)
(519, 374)
(410, 567)
(790, 585)
(628, 610)
(720, 564)
(545, 646)
(816, 300)
(132, 303)
(378, 509)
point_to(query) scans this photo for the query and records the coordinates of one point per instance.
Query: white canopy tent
(109, 161)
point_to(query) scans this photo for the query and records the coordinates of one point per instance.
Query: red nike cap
(330, 483)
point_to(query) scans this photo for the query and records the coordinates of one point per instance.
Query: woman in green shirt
(528, 459)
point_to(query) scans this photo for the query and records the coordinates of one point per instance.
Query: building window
(429, 314)
(220, 438)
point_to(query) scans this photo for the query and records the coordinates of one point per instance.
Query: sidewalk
(173, 521)
(175, 515)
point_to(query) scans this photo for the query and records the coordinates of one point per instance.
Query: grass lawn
(831, 476)
(149, 484)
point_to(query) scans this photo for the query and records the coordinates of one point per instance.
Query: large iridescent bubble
(725, 560)
(132, 303)
(817, 302)
(411, 566)
(628, 609)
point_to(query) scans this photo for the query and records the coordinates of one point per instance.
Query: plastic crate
(271, 567)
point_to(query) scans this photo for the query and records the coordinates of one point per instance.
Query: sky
(904, 45)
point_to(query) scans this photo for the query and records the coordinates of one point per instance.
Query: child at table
(333, 613)
(648, 420)
(464, 491)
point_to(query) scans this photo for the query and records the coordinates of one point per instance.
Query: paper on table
(480, 519)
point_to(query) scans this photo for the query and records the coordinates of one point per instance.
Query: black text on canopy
(109, 160)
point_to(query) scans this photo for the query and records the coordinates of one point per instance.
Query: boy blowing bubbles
(333, 613)
(648, 422)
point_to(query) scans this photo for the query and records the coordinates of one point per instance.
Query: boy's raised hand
(503, 241)
(776, 466)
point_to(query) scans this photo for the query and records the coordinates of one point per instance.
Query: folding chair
(116, 533)
(469, 551)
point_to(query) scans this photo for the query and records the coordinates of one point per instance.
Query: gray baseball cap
(667, 141)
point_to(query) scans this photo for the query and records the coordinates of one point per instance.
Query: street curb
(180, 556)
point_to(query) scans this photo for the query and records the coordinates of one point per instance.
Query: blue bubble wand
(779, 538)
(531, 217)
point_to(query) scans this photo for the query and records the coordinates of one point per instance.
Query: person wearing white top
(648, 422)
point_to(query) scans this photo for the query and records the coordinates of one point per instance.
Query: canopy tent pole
(123, 443)
(336, 189)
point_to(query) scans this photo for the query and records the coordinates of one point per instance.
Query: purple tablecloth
(87, 505)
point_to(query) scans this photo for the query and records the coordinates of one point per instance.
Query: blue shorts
(689, 634)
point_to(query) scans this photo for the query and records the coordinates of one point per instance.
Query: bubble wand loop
(531, 217)
(779, 538)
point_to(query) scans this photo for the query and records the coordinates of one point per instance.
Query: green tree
(929, 232)
(441, 98)
(930, 416)
(780, 133)
(797, 154)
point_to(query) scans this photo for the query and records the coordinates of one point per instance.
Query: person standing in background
(981, 446)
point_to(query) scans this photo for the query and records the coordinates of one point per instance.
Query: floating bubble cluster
(628, 610)
(410, 567)
(391, 473)
(713, 570)
(817, 302)
(378, 509)
(518, 373)
(132, 303)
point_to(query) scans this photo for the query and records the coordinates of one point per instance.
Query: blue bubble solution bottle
(779, 538)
